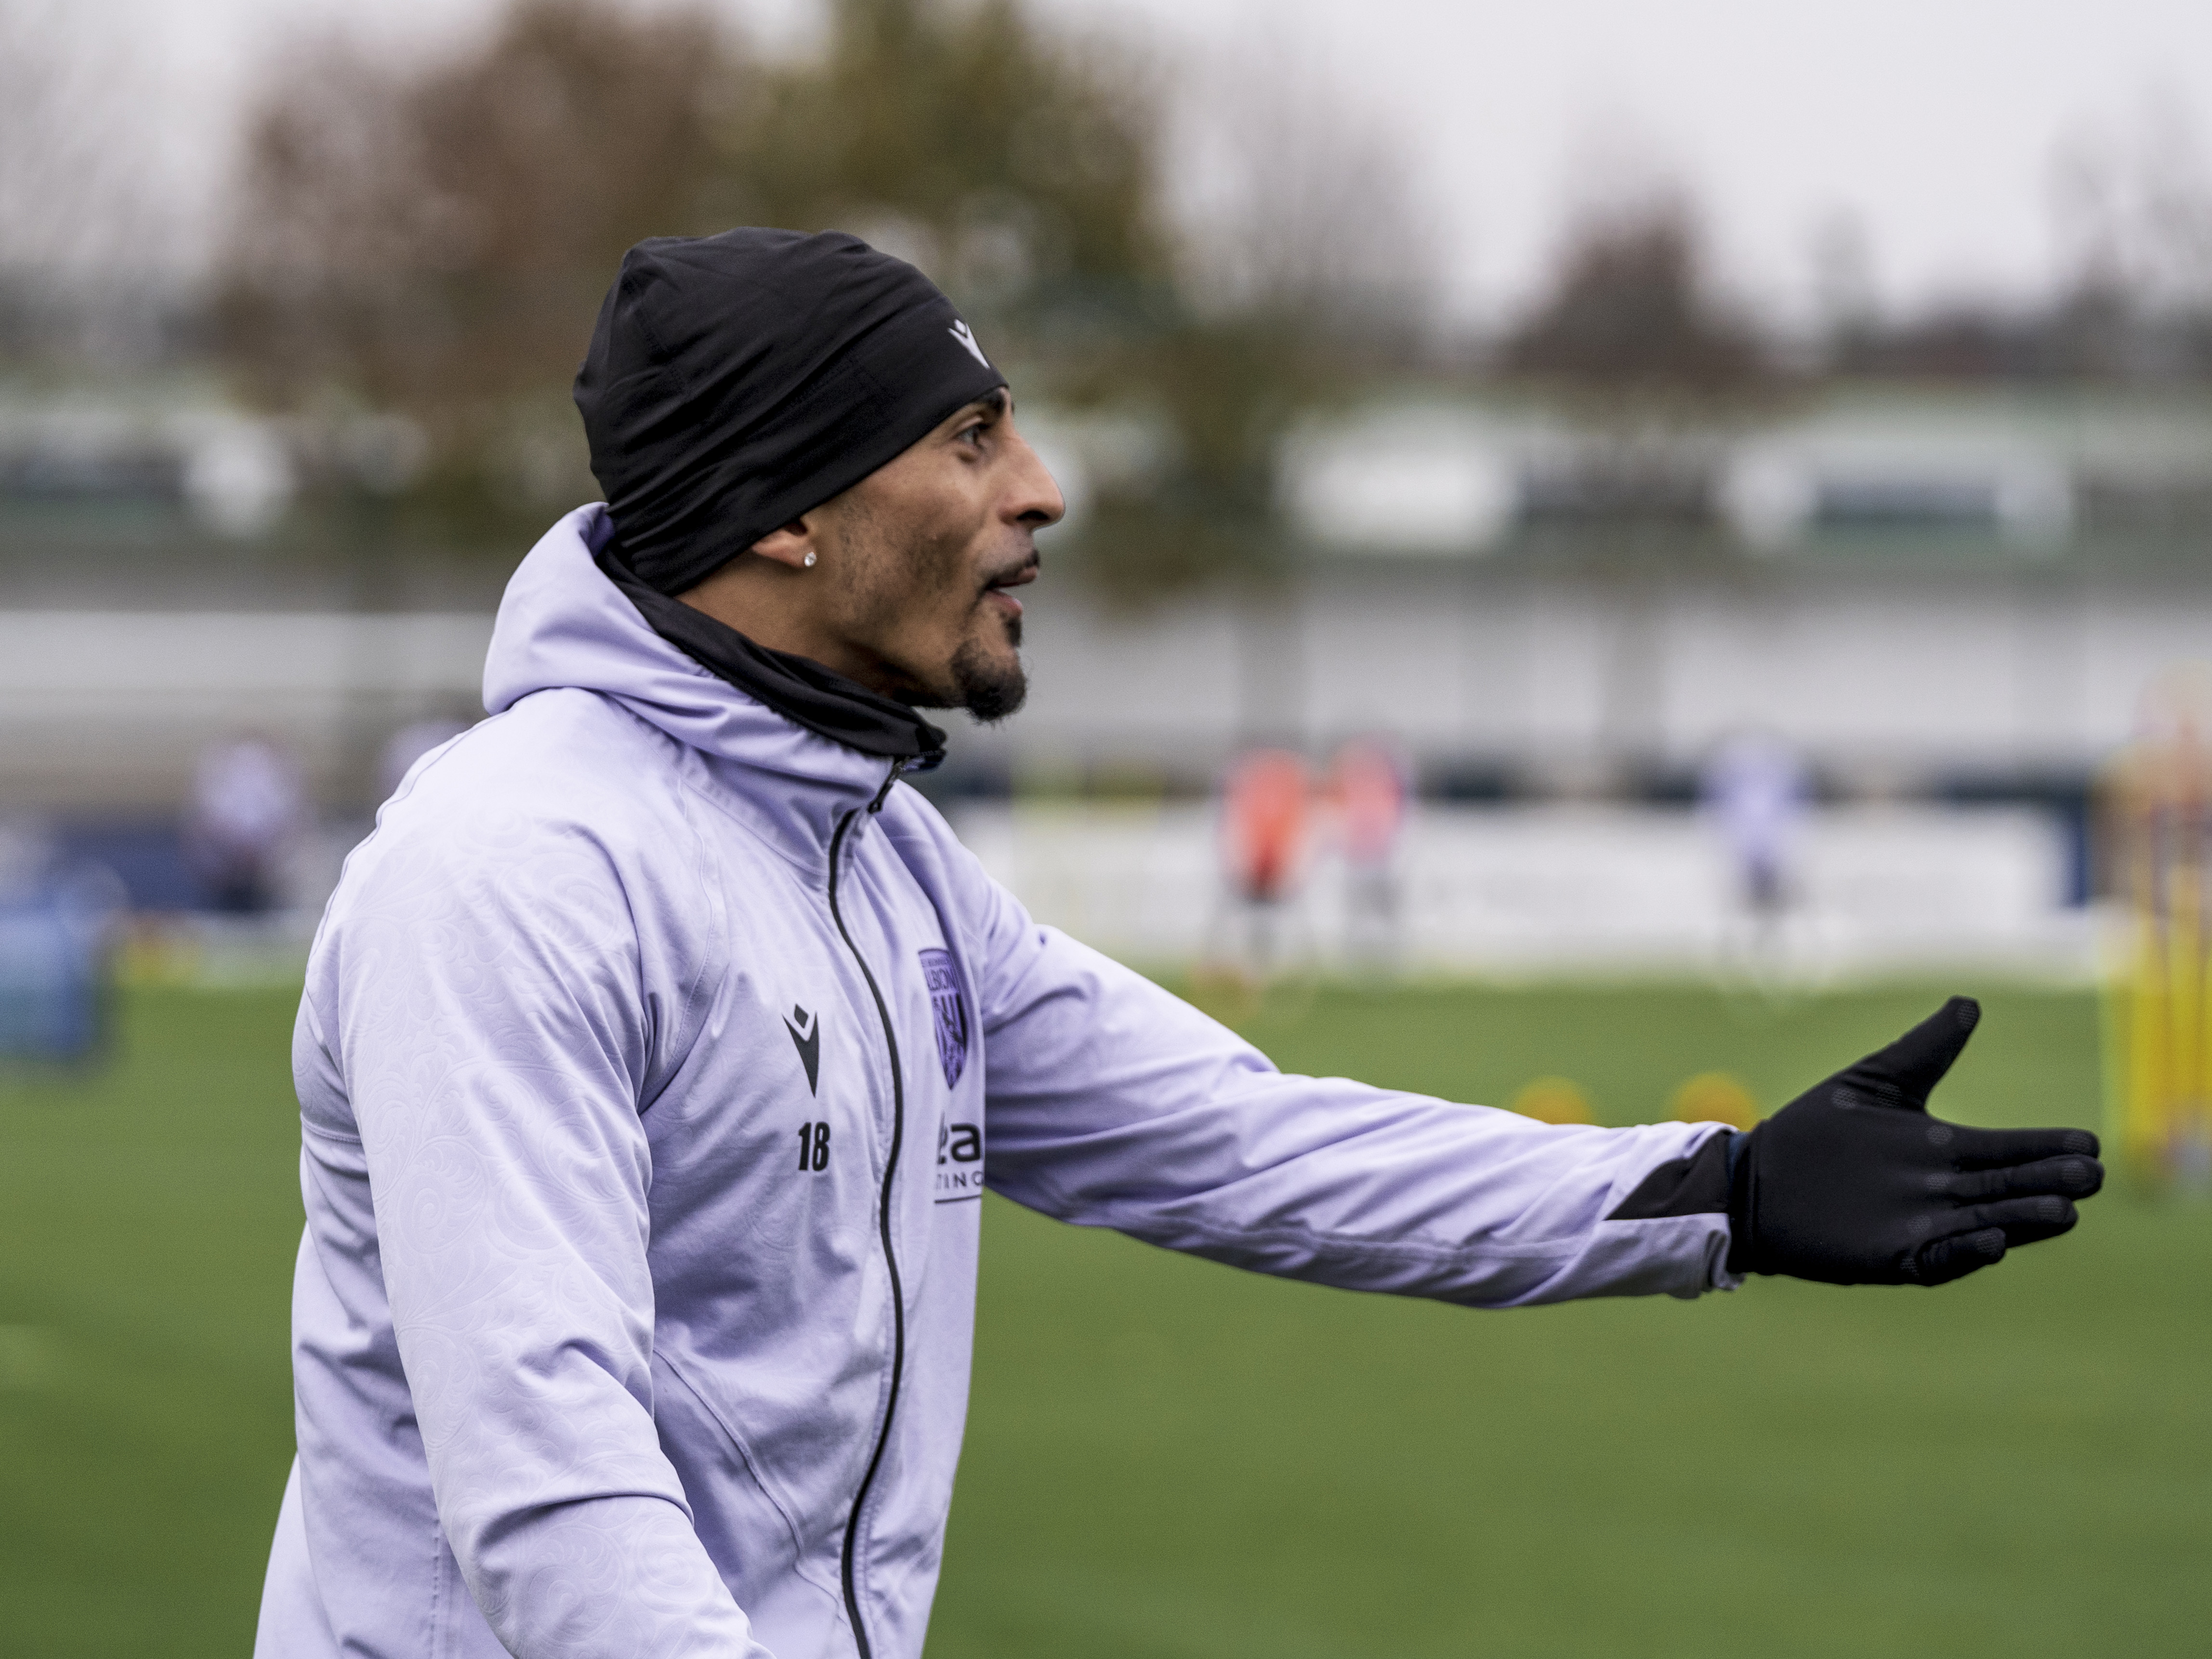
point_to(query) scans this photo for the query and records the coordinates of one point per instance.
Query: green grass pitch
(1170, 1461)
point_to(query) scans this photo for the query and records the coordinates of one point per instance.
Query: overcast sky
(1932, 123)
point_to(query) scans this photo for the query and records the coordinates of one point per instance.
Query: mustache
(1027, 565)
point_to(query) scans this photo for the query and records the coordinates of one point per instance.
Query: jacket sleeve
(488, 1019)
(1112, 1103)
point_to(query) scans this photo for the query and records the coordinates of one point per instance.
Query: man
(1755, 788)
(657, 1045)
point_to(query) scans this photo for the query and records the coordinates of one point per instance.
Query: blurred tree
(1650, 363)
(1304, 271)
(1019, 169)
(433, 242)
(1630, 318)
(436, 243)
(92, 253)
(2130, 207)
(1302, 206)
(1222, 393)
(2132, 216)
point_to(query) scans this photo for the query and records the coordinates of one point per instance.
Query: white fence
(1552, 888)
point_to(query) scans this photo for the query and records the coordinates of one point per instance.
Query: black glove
(1853, 1182)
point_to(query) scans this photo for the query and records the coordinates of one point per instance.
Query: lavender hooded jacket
(654, 1055)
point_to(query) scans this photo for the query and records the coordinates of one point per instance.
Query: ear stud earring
(810, 561)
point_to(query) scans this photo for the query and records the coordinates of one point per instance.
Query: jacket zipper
(851, 1555)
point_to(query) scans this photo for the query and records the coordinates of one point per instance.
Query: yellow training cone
(1553, 1100)
(1715, 1097)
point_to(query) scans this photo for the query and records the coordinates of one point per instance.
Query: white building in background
(233, 474)
(1903, 585)
(1907, 587)
(1885, 681)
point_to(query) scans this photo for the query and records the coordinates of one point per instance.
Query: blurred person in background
(59, 921)
(656, 1047)
(247, 815)
(1266, 803)
(1755, 789)
(1367, 786)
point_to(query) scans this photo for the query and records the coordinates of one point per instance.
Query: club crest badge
(949, 1004)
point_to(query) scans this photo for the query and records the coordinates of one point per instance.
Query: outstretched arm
(1112, 1103)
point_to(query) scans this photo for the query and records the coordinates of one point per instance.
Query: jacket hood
(563, 625)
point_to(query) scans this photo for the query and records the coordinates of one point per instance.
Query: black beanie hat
(736, 381)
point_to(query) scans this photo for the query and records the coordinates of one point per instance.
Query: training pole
(2157, 831)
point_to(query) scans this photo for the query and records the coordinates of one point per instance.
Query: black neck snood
(799, 689)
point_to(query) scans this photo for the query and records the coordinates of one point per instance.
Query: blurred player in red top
(1265, 805)
(1367, 786)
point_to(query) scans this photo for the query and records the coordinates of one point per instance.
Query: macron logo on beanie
(966, 336)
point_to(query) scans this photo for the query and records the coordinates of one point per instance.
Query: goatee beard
(988, 689)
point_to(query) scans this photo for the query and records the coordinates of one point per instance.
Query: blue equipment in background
(58, 923)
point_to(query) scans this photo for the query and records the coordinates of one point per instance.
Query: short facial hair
(987, 690)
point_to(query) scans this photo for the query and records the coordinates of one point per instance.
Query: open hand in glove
(1853, 1182)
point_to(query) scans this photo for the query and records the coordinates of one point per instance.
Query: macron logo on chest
(807, 1037)
(966, 336)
